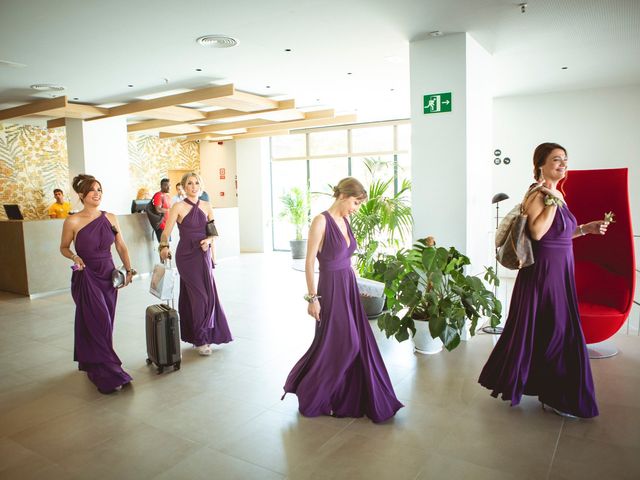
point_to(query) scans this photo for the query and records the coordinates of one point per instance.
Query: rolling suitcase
(163, 337)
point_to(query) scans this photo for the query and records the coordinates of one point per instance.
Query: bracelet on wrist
(582, 232)
(162, 245)
(311, 297)
(132, 271)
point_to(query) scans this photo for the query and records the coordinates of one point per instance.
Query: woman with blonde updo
(202, 319)
(342, 374)
(92, 232)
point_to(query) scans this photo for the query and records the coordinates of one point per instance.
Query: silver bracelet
(581, 230)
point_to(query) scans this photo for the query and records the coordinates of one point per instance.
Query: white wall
(100, 148)
(254, 201)
(215, 156)
(438, 146)
(479, 133)
(600, 128)
(451, 152)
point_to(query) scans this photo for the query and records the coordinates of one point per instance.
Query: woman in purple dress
(542, 350)
(93, 232)
(202, 319)
(342, 374)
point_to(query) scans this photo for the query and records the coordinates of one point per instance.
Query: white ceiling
(97, 48)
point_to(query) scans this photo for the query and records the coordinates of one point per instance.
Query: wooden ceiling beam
(313, 122)
(233, 125)
(34, 108)
(175, 114)
(195, 96)
(245, 102)
(283, 106)
(57, 123)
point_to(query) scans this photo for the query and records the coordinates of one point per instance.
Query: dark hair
(350, 187)
(179, 184)
(56, 190)
(540, 155)
(164, 180)
(82, 184)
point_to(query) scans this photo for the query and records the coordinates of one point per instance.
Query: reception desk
(31, 263)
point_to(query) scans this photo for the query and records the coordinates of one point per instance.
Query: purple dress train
(542, 350)
(202, 319)
(95, 300)
(342, 373)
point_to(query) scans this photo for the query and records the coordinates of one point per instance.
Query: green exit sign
(437, 102)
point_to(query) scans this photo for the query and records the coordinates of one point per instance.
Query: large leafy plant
(428, 283)
(383, 222)
(295, 210)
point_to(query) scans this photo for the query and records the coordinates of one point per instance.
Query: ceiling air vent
(217, 41)
(47, 87)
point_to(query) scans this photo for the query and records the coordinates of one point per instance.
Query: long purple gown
(202, 319)
(342, 373)
(542, 350)
(95, 300)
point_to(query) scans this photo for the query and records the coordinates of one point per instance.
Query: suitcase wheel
(149, 362)
(160, 370)
(176, 366)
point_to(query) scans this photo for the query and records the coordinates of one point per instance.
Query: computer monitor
(13, 212)
(138, 206)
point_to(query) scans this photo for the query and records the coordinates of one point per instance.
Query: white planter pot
(423, 341)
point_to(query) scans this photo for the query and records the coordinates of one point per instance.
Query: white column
(452, 151)
(254, 195)
(100, 148)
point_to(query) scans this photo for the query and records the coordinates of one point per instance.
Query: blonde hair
(143, 194)
(188, 175)
(350, 187)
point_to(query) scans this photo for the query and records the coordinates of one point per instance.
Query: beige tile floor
(221, 417)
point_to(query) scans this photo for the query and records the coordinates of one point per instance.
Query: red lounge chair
(605, 265)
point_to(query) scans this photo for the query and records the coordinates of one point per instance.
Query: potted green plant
(380, 225)
(296, 211)
(427, 289)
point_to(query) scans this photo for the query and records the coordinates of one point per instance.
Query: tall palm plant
(295, 210)
(383, 221)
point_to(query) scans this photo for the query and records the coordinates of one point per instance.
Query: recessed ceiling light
(565, 68)
(47, 87)
(198, 69)
(130, 86)
(287, 49)
(217, 41)
(268, 86)
(436, 33)
(348, 73)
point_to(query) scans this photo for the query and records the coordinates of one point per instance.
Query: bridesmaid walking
(542, 350)
(93, 232)
(202, 319)
(342, 374)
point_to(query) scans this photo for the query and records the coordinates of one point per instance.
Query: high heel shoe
(559, 412)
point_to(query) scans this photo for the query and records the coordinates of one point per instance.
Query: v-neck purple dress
(342, 374)
(542, 350)
(202, 319)
(95, 300)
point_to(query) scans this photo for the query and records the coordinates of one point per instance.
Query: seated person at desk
(60, 208)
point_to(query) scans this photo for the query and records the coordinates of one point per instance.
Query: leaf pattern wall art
(34, 161)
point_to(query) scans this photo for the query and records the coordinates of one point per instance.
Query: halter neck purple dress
(202, 319)
(95, 300)
(342, 374)
(542, 350)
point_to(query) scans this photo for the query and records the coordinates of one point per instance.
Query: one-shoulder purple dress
(542, 350)
(202, 319)
(342, 374)
(95, 300)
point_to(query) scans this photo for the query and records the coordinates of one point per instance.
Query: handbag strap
(527, 197)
